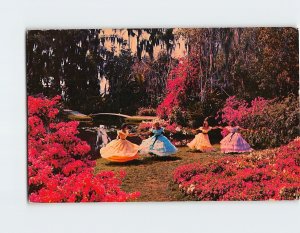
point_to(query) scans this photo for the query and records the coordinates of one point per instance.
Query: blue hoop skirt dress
(158, 144)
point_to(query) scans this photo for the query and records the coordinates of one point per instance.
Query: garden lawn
(153, 176)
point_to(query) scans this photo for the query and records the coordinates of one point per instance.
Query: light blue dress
(158, 144)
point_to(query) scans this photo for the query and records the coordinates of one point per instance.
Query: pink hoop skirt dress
(234, 142)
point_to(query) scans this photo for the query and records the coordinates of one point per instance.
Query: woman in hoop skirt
(120, 149)
(201, 141)
(234, 142)
(158, 144)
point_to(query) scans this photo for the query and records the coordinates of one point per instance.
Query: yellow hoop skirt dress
(201, 141)
(120, 149)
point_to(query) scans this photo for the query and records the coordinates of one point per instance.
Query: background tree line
(71, 63)
(219, 62)
(222, 62)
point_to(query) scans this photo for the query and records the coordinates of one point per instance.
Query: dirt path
(152, 176)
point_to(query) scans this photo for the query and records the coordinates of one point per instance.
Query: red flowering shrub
(273, 122)
(236, 110)
(59, 167)
(172, 128)
(169, 128)
(264, 175)
(145, 126)
(179, 81)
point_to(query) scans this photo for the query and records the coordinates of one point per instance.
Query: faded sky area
(178, 51)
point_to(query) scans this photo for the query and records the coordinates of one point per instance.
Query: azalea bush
(189, 96)
(238, 110)
(59, 166)
(272, 122)
(272, 174)
(147, 125)
(179, 81)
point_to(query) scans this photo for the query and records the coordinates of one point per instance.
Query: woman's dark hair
(205, 121)
(123, 126)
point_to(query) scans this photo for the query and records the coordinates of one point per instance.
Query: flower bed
(59, 167)
(265, 175)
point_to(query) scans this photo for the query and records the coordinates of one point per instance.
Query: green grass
(152, 176)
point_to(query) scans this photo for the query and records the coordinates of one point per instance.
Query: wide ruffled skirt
(120, 150)
(201, 142)
(234, 143)
(160, 146)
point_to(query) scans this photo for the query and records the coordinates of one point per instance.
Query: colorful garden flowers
(59, 167)
(272, 174)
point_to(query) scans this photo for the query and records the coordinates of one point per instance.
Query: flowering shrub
(236, 110)
(146, 112)
(59, 167)
(179, 81)
(265, 175)
(145, 126)
(272, 122)
(169, 128)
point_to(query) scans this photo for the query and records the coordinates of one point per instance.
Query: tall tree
(65, 62)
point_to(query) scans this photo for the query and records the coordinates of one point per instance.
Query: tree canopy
(217, 63)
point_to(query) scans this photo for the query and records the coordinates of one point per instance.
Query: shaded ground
(153, 176)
